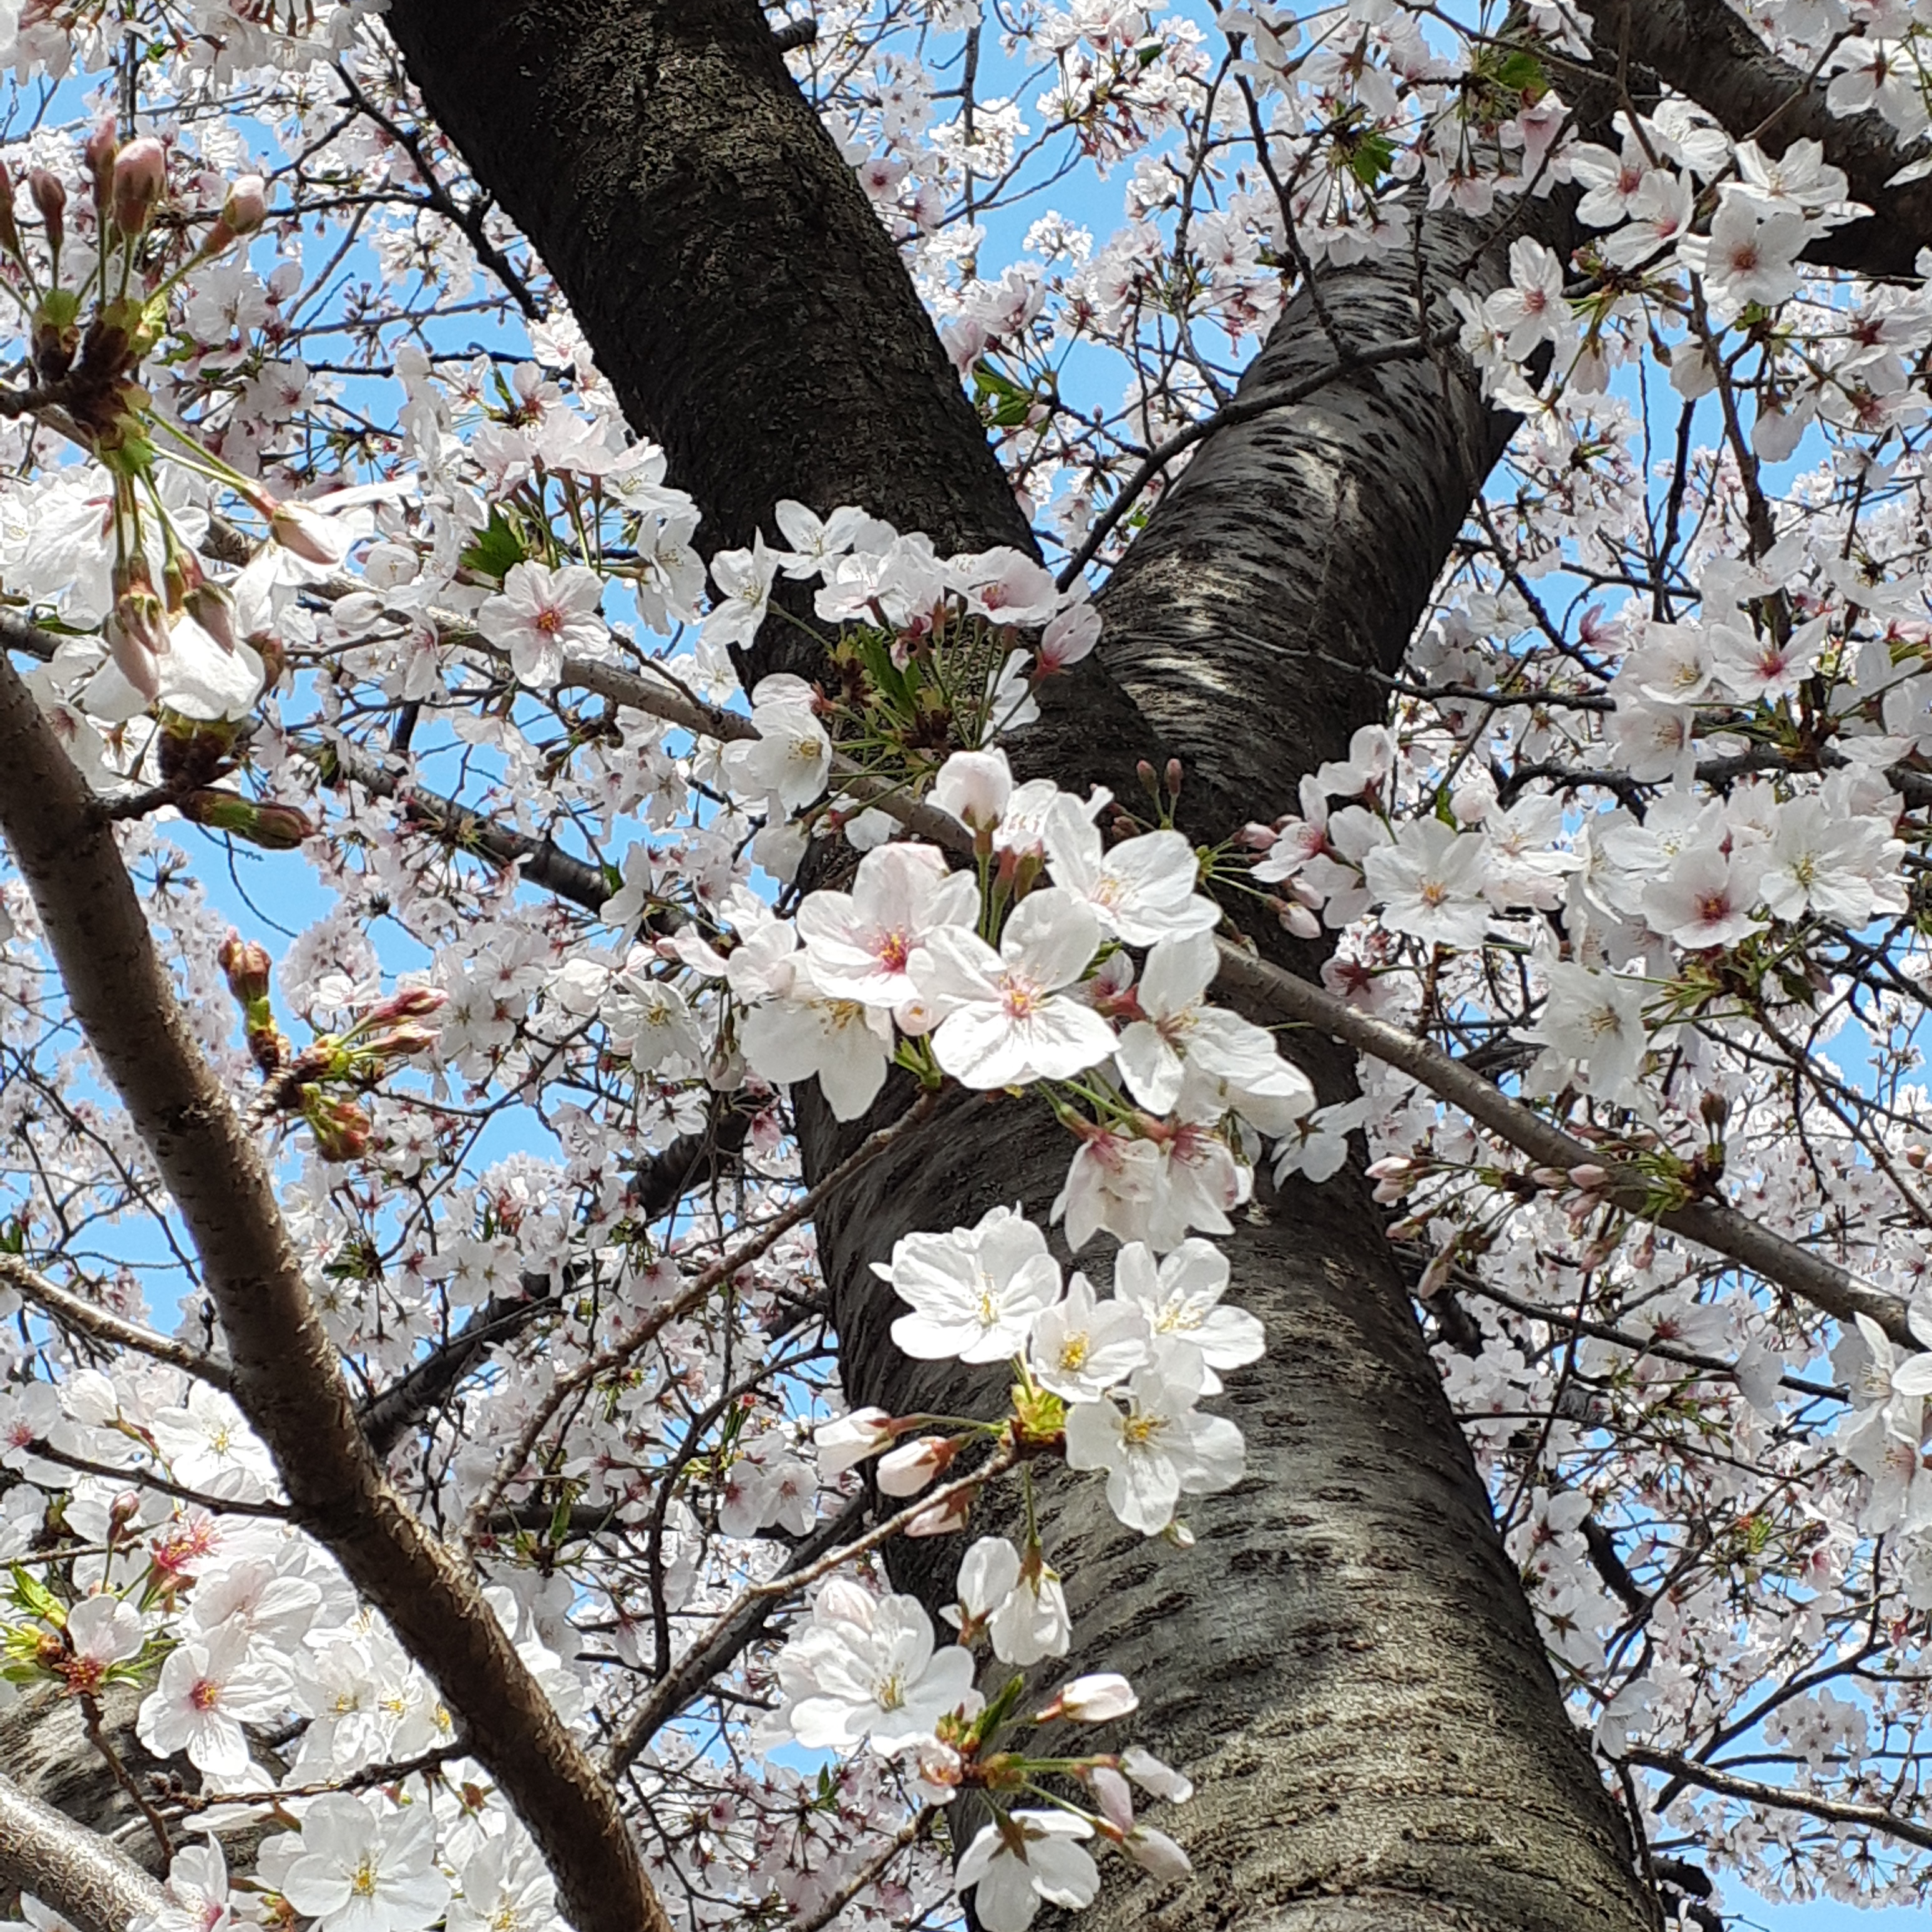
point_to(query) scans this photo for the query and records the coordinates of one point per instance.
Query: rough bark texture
(719, 254)
(90, 1883)
(287, 1377)
(1350, 1669)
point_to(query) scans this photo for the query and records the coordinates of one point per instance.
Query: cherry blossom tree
(872, 1054)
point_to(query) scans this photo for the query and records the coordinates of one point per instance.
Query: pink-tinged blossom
(1006, 1019)
(209, 1689)
(1110, 1186)
(860, 943)
(974, 1293)
(542, 617)
(1530, 310)
(1705, 899)
(1158, 1448)
(865, 1670)
(1022, 1858)
(1748, 257)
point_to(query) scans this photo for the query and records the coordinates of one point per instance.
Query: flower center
(895, 949)
(549, 622)
(1019, 995)
(204, 1694)
(363, 1884)
(1137, 1432)
(890, 1695)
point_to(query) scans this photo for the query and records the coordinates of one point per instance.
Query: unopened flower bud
(98, 152)
(911, 1466)
(1916, 1155)
(412, 1002)
(10, 232)
(275, 828)
(1173, 776)
(49, 196)
(247, 206)
(341, 1127)
(246, 963)
(140, 178)
(1092, 1699)
(303, 533)
(942, 1519)
(1587, 1177)
(1714, 1107)
(398, 1042)
(1553, 1178)
(1178, 1534)
(134, 657)
(213, 608)
(1155, 1853)
(846, 1442)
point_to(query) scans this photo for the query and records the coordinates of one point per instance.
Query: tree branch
(287, 1377)
(64, 1865)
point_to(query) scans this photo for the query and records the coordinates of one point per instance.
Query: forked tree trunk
(1345, 1663)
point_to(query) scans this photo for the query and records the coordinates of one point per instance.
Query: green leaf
(1369, 157)
(495, 550)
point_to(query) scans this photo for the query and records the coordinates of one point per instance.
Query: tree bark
(1345, 1662)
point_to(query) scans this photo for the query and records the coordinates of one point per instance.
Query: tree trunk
(1345, 1662)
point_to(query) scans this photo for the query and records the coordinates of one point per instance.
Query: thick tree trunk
(1345, 1662)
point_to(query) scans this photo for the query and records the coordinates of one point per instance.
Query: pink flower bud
(134, 658)
(847, 1441)
(303, 533)
(911, 1466)
(246, 964)
(211, 606)
(407, 1003)
(1154, 1852)
(98, 152)
(247, 206)
(10, 232)
(140, 177)
(944, 1518)
(1587, 1177)
(1093, 1699)
(49, 196)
